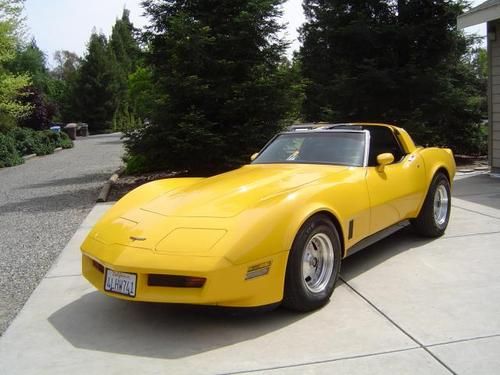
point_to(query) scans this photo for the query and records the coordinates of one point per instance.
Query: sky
(67, 24)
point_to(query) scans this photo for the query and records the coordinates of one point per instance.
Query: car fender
(275, 227)
(301, 216)
(436, 159)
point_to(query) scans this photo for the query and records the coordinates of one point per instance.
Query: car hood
(196, 215)
(228, 194)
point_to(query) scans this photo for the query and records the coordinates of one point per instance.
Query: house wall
(494, 97)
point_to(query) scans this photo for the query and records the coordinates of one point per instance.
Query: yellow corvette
(276, 230)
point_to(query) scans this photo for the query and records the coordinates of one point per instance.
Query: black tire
(302, 295)
(432, 220)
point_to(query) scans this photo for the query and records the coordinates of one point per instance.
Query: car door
(395, 190)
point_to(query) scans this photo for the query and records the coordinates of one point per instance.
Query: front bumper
(225, 283)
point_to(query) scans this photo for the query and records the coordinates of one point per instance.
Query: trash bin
(70, 129)
(55, 129)
(83, 129)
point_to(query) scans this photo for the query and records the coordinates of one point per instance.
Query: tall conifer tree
(98, 85)
(124, 46)
(396, 61)
(216, 66)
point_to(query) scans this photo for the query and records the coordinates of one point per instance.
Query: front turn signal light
(257, 270)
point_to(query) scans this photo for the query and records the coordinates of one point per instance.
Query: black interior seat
(382, 140)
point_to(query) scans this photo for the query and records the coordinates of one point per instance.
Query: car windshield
(315, 147)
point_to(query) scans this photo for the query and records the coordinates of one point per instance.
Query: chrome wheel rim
(440, 205)
(317, 263)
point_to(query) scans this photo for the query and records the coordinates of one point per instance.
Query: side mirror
(383, 160)
(254, 156)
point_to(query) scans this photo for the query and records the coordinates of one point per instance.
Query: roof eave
(478, 15)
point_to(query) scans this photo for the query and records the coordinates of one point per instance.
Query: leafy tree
(30, 60)
(67, 64)
(402, 62)
(216, 67)
(11, 27)
(97, 85)
(62, 89)
(11, 107)
(42, 110)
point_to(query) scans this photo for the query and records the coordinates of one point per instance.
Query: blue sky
(67, 24)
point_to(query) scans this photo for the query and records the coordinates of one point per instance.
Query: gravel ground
(42, 203)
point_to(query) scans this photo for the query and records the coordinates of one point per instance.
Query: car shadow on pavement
(368, 258)
(480, 189)
(97, 322)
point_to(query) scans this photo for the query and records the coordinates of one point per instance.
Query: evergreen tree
(479, 64)
(216, 66)
(142, 93)
(441, 98)
(29, 59)
(401, 62)
(124, 43)
(97, 85)
(347, 59)
(125, 47)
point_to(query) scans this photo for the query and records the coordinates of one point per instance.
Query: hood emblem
(134, 238)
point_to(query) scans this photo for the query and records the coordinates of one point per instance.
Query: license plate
(120, 282)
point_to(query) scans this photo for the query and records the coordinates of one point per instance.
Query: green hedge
(9, 155)
(24, 141)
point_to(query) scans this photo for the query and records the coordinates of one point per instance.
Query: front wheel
(313, 265)
(435, 212)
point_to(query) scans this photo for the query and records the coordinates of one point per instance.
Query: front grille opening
(98, 266)
(176, 281)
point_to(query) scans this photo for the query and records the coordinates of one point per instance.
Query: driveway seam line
(458, 196)
(470, 235)
(399, 327)
(464, 340)
(476, 212)
(61, 276)
(320, 361)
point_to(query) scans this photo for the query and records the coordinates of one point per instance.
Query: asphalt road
(42, 203)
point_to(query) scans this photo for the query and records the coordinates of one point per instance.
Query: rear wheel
(313, 265)
(435, 213)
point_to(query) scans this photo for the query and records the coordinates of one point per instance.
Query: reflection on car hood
(228, 194)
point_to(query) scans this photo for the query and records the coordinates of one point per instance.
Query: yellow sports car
(276, 230)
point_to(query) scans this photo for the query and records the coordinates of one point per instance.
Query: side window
(382, 140)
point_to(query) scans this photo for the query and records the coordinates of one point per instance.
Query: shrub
(9, 155)
(135, 164)
(21, 141)
(65, 141)
(44, 143)
(59, 139)
(25, 140)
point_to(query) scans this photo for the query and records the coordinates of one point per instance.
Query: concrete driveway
(406, 305)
